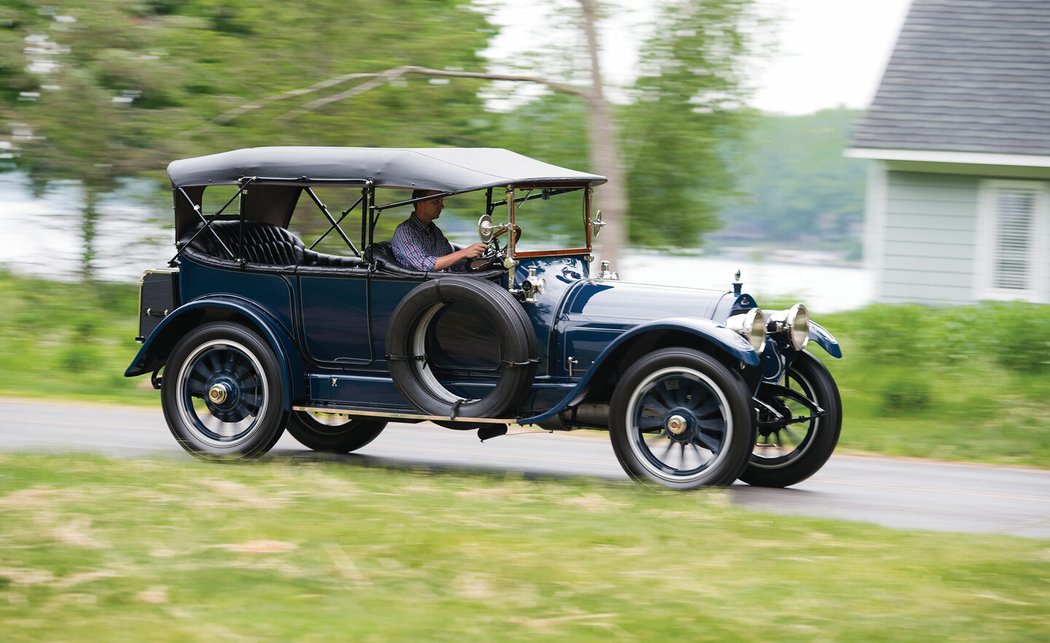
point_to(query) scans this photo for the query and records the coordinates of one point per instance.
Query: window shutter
(1014, 231)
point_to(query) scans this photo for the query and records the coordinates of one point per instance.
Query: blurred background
(728, 129)
(722, 124)
(737, 134)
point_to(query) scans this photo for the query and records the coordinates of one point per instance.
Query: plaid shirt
(418, 246)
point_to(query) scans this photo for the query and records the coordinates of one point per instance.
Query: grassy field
(969, 383)
(132, 550)
(69, 341)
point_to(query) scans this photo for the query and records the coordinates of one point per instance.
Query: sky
(831, 52)
(825, 53)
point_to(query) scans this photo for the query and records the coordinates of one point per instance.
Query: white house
(958, 204)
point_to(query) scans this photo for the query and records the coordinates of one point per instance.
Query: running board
(401, 415)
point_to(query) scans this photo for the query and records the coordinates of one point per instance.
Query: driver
(418, 243)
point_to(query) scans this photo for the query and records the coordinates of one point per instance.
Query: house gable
(970, 76)
(958, 206)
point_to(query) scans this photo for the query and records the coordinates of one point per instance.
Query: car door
(334, 313)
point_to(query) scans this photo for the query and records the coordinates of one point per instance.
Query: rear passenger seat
(264, 243)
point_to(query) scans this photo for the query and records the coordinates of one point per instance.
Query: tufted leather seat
(265, 244)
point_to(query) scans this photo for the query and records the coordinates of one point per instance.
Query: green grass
(69, 341)
(97, 549)
(969, 383)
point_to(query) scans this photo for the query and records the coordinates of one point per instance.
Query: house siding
(929, 238)
(961, 116)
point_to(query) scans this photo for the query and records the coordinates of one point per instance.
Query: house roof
(965, 76)
(444, 169)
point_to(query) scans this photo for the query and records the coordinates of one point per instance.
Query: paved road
(890, 492)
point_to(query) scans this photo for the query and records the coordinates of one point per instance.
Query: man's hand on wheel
(470, 252)
(474, 250)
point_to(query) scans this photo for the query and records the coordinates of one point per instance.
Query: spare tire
(407, 344)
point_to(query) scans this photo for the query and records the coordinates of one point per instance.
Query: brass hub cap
(677, 424)
(218, 393)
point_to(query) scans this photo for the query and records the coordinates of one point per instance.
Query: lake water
(822, 288)
(41, 236)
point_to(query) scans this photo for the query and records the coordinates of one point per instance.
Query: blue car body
(327, 320)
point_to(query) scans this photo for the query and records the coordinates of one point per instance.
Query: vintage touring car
(252, 331)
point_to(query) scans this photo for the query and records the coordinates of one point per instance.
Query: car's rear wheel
(222, 394)
(791, 449)
(333, 433)
(681, 419)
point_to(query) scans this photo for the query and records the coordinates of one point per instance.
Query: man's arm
(409, 250)
(470, 252)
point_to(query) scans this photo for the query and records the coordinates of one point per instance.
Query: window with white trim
(1013, 239)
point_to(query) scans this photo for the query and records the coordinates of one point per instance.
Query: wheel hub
(680, 425)
(222, 397)
(218, 393)
(676, 424)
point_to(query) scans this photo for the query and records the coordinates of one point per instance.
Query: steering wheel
(494, 253)
(491, 258)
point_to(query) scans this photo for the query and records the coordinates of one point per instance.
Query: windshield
(555, 223)
(550, 221)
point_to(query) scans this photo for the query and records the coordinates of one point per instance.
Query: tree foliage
(686, 107)
(97, 91)
(149, 75)
(793, 181)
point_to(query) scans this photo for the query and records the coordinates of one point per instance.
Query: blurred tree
(552, 127)
(97, 91)
(605, 142)
(683, 112)
(794, 182)
(64, 97)
(686, 109)
(663, 151)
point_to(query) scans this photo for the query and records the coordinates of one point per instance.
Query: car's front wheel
(333, 433)
(794, 446)
(681, 419)
(222, 394)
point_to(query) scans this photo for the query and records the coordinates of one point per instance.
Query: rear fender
(158, 346)
(703, 333)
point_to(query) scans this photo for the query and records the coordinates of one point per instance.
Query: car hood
(627, 304)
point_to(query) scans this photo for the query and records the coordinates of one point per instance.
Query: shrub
(892, 334)
(906, 394)
(79, 358)
(961, 333)
(1019, 335)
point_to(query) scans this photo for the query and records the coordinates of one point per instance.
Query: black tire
(335, 437)
(678, 404)
(221, 393)
(773, 465)
(406, 341)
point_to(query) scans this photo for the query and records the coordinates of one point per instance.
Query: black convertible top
(446, 169)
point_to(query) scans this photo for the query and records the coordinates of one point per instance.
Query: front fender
(730, 341)
(705, 329)
(158, 346)
(824, 339)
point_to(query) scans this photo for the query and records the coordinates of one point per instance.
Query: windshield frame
(557, 190)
